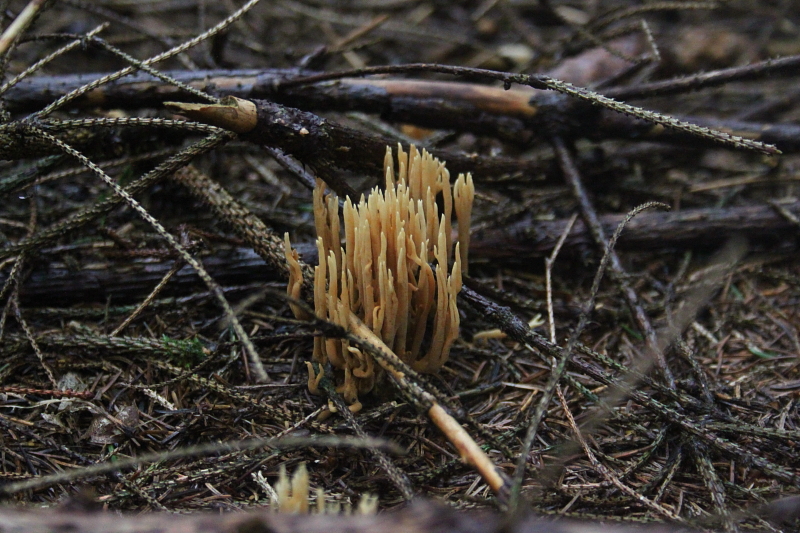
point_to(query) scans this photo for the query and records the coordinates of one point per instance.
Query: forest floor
(678, 399)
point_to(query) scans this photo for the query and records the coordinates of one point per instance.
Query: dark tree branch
(520, 115)
(783, 66)
(128, 280)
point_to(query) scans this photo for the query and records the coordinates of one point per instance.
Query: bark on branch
(127, 280)
(519, 115)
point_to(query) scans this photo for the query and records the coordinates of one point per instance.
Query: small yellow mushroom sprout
(383, 273)
(292, 495)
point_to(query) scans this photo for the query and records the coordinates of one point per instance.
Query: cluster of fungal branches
(383, 272)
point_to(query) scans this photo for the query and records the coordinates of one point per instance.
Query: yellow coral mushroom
(292, 495)
(383, 272)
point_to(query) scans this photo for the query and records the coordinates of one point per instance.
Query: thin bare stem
(548, 262)
(150, 297)
(31, 338)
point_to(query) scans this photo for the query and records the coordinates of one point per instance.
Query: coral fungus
(392, 271)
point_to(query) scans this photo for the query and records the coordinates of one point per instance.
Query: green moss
(184, 353)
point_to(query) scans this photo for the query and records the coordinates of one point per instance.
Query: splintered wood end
(233, 114)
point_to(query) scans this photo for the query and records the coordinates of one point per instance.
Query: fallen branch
(520, 115)
(763, 225)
